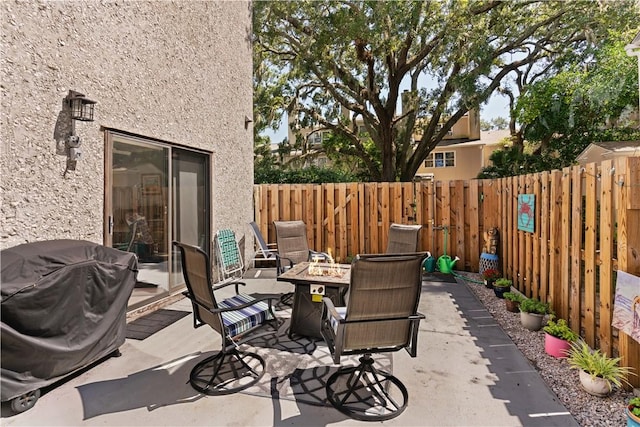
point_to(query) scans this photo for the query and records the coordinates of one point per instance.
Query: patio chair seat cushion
(246, 318)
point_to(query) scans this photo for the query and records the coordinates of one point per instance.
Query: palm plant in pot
(558, 337)
(490, 275)
(512, 301)
(532, 312)
(598, 372)
(501, 286)
(633, 412)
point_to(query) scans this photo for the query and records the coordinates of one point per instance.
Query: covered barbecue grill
(63, 308)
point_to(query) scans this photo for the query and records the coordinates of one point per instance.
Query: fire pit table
(312, 282)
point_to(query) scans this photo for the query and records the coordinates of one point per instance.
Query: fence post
(629, 251)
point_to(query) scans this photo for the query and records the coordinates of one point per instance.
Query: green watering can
(429, 264)
(446, 264)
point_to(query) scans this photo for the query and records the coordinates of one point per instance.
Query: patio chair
(403, 238)
(267, 250)
(237, 320)
(293, 246)
(228, 256)
(380, 316)
(139, 238)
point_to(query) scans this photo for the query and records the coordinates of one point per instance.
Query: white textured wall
(177, 71)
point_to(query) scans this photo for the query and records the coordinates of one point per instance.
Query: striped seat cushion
(243, 320)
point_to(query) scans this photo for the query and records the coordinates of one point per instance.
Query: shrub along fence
(585, 222)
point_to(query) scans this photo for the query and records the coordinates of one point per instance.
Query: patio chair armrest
(330, 310)
(412, 348)
(279, 266)
(227, 283)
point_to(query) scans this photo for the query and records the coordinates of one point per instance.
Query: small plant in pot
(598, 372)
(558, 338)
(633, 412)
(501, 286)
(490, 275)
(532, 312)
(512, 301)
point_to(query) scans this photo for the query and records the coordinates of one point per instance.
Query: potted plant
(532, 312)
(512, 301)
(490, 275)
(558, 338)
(598, 372)
(633, 412)
(501, 286)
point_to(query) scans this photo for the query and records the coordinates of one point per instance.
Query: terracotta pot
(531, 321)
(594, 386)
(556, 347)
(632, 420)
(512, 306)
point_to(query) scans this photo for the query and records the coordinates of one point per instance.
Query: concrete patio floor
(467, 373)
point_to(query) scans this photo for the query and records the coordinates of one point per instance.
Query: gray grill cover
(63, 307)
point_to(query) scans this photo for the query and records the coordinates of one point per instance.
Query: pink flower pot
(556, 347)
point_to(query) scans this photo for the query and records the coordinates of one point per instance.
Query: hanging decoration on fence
(626, 305)
(526, 211)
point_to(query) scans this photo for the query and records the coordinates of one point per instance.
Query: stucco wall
(177, 71)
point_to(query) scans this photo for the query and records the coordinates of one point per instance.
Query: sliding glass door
(156, 193)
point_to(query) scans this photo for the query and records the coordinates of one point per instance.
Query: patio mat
(148, 325)
(436, 276)
(298, 369)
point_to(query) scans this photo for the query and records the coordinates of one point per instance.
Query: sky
(498, 106)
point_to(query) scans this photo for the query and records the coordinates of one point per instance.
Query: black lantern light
(81, 107)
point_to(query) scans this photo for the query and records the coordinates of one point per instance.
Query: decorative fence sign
(526, 211)
(626, 305)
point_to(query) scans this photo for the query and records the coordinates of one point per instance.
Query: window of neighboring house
(444, 159)
(316, 139)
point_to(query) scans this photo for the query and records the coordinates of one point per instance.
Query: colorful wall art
(526, 212)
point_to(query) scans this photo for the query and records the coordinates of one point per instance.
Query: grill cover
(63, 307)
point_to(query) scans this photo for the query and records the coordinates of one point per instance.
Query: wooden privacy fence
(586, 226)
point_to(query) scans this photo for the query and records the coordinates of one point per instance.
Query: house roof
(491, 137)
(608, 149)
(619, 146)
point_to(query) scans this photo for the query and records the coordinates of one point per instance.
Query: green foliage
(310, 175)
(597, 364)
(502, 283)
(533, 305)
(634, 403)
(587, 99)
(337, 64)
(512, 296)
(560, 329)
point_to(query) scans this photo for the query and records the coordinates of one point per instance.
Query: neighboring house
(598, 151)
(449, 161)
(464, 130)
(170, 145)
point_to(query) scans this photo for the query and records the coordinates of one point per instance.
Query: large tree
(340, 62)
(558, 116)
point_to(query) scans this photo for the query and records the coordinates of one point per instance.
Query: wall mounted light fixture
(80, 108)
